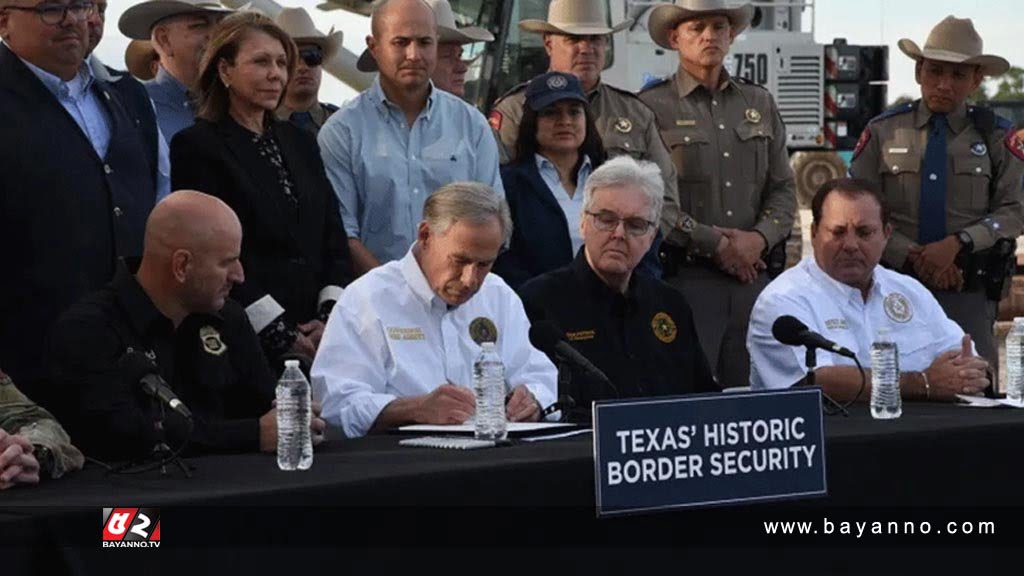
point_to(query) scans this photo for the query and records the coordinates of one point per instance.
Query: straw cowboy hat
(666, 17)
(299, 25)
(575, 18)
(955, 40)
(447, 31)
(138, 21)
(138, 58)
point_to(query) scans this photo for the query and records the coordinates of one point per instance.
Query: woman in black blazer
(294, 249)
(558, 146)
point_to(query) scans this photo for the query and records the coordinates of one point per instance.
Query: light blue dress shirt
(170, 99)
(163, 157)
(571, 206)
(382, 170)
(77, 97)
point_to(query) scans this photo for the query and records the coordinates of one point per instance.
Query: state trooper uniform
(729, 152)
(951, 174)
(626, 125)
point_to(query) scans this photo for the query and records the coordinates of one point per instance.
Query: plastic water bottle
(294, 413)
(489, 386)
(885, 377)
(1015, 361)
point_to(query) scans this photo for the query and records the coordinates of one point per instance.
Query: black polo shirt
(213, 363)
(643, 340)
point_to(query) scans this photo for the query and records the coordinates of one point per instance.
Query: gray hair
(469, 201)
(625, 171)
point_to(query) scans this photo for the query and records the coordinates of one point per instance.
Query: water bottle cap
(487, 345)
(291, 363)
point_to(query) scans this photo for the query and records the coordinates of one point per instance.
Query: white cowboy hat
(955, 40)
(575, 18)
(666, 17)
(447, 31)
(137, 58)
(138, 21)
(299, 25)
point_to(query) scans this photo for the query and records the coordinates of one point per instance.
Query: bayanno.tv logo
(131, 527)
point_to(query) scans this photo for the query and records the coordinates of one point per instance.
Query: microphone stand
(828, 404)
(161, 453)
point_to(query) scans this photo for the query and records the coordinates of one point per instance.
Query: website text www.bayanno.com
(866, 528)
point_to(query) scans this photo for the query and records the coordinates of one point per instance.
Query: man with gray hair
(400, 344)
(638, 330)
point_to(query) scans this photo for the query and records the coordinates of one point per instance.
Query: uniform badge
(483, 330)
(685, 123)
(1015, 144)
(494, 119)
(897, 308)
(865, 137)
(211, 341)
(752, 115)
(688, 224)
(624, 125)
(557, 82)
(664, 328)
(979, 149)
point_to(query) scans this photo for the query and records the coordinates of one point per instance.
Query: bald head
(188, 220)
(191, 257)
(388, 9)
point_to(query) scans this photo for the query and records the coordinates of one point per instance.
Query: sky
(859, 21)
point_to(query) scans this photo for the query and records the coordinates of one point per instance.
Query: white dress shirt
(572, 206)
(390, 336)
(838, 312)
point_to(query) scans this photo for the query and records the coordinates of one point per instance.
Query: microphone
(793, 332)
(549, 340)
(138, 368)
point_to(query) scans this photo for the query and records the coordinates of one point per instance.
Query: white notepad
(448, 442)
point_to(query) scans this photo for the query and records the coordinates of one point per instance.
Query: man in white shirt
(843, 294)
(400, 344)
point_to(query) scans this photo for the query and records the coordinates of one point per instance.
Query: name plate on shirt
(708, 450)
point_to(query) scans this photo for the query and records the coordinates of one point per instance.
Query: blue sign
(706, 450)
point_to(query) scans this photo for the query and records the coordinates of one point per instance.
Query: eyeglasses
(313, 57)
(52, 14)
(609, 221)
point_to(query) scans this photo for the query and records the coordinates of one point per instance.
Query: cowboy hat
(447, 31)
(575, 18)
(955, 40)
(298, 24)
(138, 58)
(138, 21)
(666, 17)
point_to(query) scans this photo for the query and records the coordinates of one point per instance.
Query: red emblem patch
(495, 119)
(1014, 144)
(865, 137)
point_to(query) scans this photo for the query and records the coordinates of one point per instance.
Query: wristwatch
(966, 242)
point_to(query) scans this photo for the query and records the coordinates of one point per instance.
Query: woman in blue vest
(557, 148)
(294, 250)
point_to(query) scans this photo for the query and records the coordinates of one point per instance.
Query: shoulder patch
(495, 119)
(865, 137)
(653, 82)
(895, 111)
(1014, 144)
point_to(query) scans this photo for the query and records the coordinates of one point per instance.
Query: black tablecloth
(372, 491)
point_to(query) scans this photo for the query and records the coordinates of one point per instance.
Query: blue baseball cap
(551, 87)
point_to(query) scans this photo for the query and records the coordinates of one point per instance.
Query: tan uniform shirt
(983, 176)
(729, 152)
(626, 126)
